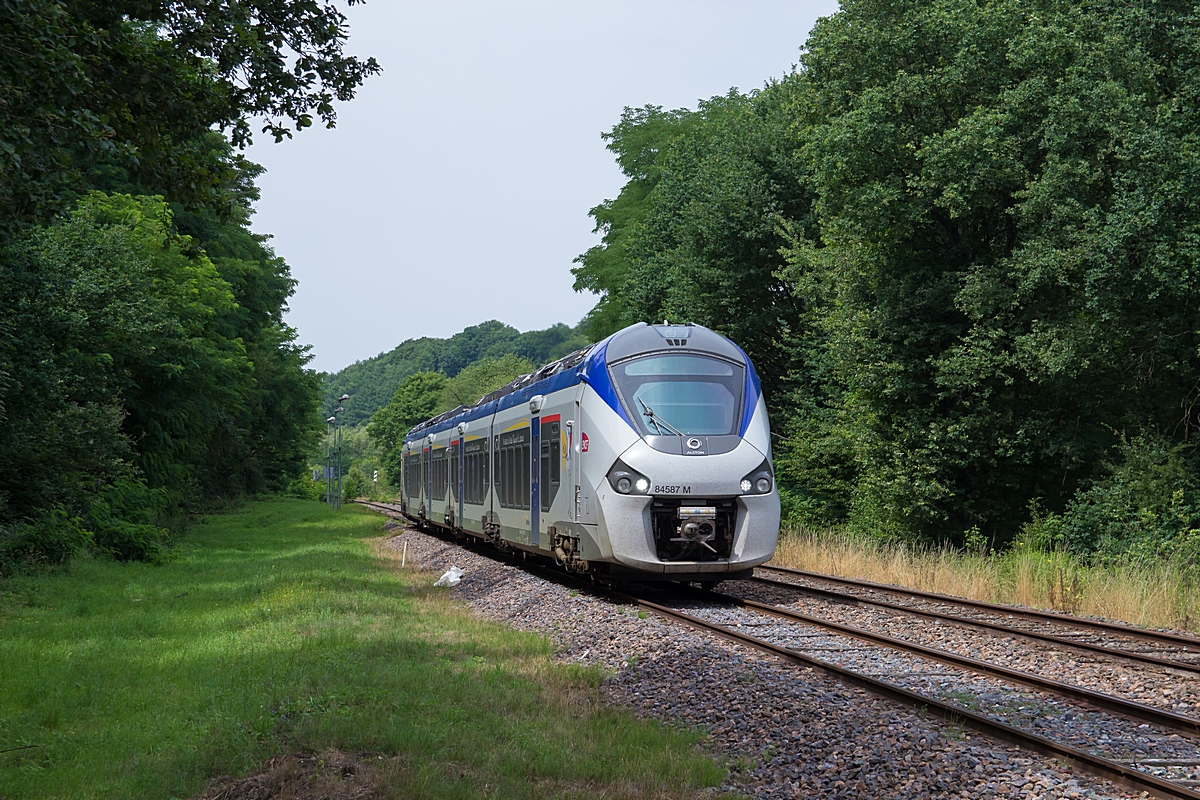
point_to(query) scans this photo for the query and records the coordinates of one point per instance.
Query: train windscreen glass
(681, 395)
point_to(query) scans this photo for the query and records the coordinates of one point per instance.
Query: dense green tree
(140, 335)
(144, 362)
(708, 247)
(482, 377)
(142, 83)
(124, 308)
(1009, 217)
(639, 141)
(417, 398)
(699, 234)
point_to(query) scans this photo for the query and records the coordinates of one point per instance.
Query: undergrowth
(1158, 593)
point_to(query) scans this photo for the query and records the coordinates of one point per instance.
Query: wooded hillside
(372, 382)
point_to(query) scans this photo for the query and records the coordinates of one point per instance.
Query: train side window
(469, 484)
(475, 460)
(512, 477)
(514, 485)
(505, 475)
(439, 489)
(439, 475)
(477, 480)
(555, 454)
(477, 476)
(496, 465)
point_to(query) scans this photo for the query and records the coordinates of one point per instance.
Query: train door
(460, 471)
(453, 514)
(427, 476)
(569, 467)
(406, 479)
(585, 503)
(535, 495)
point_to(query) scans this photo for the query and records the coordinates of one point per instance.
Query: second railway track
(1174, 649)
(1122, 771)
(1146, 751)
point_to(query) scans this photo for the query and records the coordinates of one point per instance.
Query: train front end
(676, 448)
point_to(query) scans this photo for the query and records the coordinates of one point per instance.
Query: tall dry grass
(1161, 596)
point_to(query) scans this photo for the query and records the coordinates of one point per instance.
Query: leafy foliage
(142, 83)
(53, 538)
(638, 141)
(145, 368)
(962, 241)
(484, 376)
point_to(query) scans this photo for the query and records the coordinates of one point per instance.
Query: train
(645, 456)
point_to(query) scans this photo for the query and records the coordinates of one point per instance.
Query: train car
(645, 455)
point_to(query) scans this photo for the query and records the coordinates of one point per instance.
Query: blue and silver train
(645, 455)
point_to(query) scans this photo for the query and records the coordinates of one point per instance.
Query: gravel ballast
(784, 731)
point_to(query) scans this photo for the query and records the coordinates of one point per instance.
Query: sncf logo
(583, 442)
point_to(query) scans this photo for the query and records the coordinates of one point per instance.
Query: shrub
(1146, 508)
(49, 540)
(305, 488)
(355, 484)
(127, 521)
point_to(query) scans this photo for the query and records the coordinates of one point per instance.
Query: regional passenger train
(645, 455)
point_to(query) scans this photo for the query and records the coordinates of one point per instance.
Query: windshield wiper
(657, 421)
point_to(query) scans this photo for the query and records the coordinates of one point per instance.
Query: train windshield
(681, 395)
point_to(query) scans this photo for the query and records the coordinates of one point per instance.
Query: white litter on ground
(451, 577)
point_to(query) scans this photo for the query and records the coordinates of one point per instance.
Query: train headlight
(626, 480)
(759, 481)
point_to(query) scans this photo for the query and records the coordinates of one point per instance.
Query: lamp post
(328, 475)
(337, 435)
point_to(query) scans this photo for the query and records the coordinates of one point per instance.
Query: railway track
(782, 644)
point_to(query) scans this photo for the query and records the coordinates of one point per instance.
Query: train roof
(590, 364)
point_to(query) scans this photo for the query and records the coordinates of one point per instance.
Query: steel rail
(1158, 716)
(1096, 765)
(1112, 770)
(1063, 619)
(850, 599)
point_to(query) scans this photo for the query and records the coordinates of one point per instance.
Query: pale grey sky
(455, 187)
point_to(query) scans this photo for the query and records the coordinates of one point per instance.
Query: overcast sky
(455, 187)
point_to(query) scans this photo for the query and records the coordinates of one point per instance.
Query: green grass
(281, 628)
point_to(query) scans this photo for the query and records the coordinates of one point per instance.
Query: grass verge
(280, 628)
(1150, 595)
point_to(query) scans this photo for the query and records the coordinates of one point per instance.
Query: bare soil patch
(331, 775)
